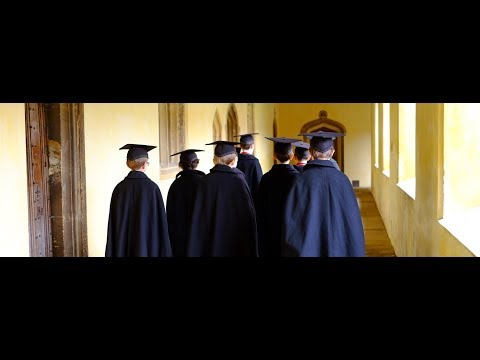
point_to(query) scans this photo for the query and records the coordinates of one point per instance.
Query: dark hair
(188, 165)
(301, 153)
(246, 146)
(282, 156)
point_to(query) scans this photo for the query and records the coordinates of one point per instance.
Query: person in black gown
(180, 200)
(301, 154)
(137, 223)
(223, 216)
(322, 216)
(248, 163)
(271, 196)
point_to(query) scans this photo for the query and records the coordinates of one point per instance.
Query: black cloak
(223, 218)
(334, 162)
(299, 168)
(179, 208)
(269, 204)
(322, 217)
(250, 166)
(137, 223)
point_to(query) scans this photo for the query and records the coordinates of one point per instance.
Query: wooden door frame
(56, 179)
(37, 180)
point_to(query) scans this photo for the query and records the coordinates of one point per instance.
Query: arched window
(172, 134)
(232, 123)
(275, 132)
(250, 120)
(217, 127)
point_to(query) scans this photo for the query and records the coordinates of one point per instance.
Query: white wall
(14, 240)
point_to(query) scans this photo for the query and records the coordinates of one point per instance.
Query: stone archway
(275, 131)
(323, 123)
(232, 123)
(250, 119)
(217, 127)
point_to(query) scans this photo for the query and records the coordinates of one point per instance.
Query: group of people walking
(304, 210)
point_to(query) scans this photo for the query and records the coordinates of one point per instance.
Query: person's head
(188, 165)
(325, 155)
(247, 147)
(282, 154)
(229, 160)
(321, 148)
(188, 159)
(321, 144)
(302, 153)
(247, 143)
(137, 156)
(282, 150)
(139, 164)
(225, 153)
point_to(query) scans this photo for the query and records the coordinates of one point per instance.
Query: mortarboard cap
(188, 155)
(246, 139)
(301, 149)
(322, 140)
(301, 144)
(223, 148)
(137, 151)
(282, 144)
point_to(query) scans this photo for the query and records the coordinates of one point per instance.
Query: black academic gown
(240, 174)
(269, 204)
(322, 217)
(137, 223)
(334, 162)
(250, 166)
(179, 208)
(223, 218)
(299, 168)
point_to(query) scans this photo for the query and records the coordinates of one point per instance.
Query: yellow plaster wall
(14, 240)
(356, 117)
(413, 225)
(265, 113)
(200, 118)
(107, 128)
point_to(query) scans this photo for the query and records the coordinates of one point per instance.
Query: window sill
(408, 186)
(464, 226)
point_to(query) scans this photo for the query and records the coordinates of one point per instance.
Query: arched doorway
(232, 123)
(275, 131)
(250, 120)
(323, 123)
(217, 127)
